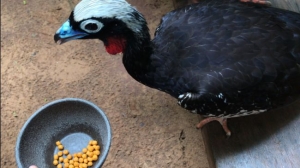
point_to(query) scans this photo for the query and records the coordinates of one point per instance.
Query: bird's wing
(213, 46)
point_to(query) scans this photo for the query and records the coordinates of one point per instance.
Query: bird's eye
(91, 26)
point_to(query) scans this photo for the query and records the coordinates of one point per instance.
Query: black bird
(219, 58)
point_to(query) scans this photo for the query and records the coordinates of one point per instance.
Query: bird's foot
(262, 2)
(222, 121)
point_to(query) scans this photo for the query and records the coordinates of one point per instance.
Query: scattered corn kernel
(59, 166)
(90, 148)
(97, 147)
(90, 159)
(60, 147)
(71, 161)
(57, 143)
(96, 152)
(84, 150)
(76, 164)
(60, 153)
(84, 156)
(66, 160)
(95, 157)
(60, 159)
(91, 141)
(91, 154)
(69, 156)
(65, 152)
(55, 157)
(94, 142)
(90, 163)
(55, 162)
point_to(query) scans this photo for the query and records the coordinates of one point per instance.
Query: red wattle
(115, 45)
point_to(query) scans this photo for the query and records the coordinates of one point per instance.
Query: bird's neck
(136, 56)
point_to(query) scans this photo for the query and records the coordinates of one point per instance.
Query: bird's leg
(262, 2)
(222, 121)
(191, 101)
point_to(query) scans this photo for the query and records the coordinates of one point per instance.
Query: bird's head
(112, 21)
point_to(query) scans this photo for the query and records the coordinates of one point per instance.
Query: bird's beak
(66, 33)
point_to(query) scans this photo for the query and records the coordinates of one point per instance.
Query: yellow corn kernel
(69, 156)
(66, 160)
(79, 155)
(55, 162)
(60, 147)
(97, 147)
(60, 153)
(57, 143)
(94, 142)
(95, 157)
(84, 150)
(90, 148)
(76, 164)
(91, 142)
(90, 154)
(90, 163)
(90, 159)
(60, 159)
(65, 152)
(96, 152)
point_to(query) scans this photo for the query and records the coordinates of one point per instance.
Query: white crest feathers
(118, 9)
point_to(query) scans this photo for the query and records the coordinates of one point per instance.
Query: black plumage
(219, 58)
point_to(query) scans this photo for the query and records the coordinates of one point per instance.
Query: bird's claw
(222, 121)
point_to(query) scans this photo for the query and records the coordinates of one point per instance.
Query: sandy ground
(149, 128)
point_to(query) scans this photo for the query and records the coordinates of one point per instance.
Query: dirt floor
(149, 128)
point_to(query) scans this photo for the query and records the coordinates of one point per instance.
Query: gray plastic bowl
(72, 121)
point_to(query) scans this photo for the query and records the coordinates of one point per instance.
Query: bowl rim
(109, 132)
